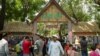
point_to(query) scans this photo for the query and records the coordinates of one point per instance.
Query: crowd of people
(51, 46)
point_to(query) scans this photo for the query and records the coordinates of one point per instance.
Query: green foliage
(53, 31)
(98, 19)
(82, 10)
(63, 29)
(42, 30)
(19, 9)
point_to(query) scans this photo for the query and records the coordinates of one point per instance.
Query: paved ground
(14, 54)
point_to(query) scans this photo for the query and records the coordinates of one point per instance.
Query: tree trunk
(25, 9)
(2, 15)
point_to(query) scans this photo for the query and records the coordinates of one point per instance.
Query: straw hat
(56, 36)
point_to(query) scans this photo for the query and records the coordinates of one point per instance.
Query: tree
(75, 9)
(21, 9)
(97, 11)
(82, 10)
(2, 14)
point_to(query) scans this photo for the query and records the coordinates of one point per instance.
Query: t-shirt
(26, 46)
(4, 47)
(98, 51)
(94, 53)
(66, 48)
(55, 49)
(83, 45)
(71, 52)
(17, 48)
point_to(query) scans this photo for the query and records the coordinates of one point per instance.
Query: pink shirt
(71, 52)
(97, 51)
(93, 53)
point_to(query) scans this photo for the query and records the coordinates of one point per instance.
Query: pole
(70, 32)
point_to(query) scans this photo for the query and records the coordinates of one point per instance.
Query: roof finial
(56, 1)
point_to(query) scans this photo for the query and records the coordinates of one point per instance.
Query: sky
(46, 0)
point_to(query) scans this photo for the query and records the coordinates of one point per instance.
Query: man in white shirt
(55, 48)
(4, 51)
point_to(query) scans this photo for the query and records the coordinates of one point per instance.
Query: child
(93, 52)
(18, 49)
(66, 48)
(98, 48)
(70, 51)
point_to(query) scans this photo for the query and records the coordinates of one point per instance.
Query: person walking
(32, 47)
(93, 52)
(44, 50)
(71, 51)
(83, 44)
(39, 46)
(18, 49)
(55, 48)
(4, 50)
(26, 46)
(66, 48)
(98, 48)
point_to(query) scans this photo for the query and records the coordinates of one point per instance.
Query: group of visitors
(25, 47)
(47, 47)
(94, 50)
(22, 48)
(53, 47)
